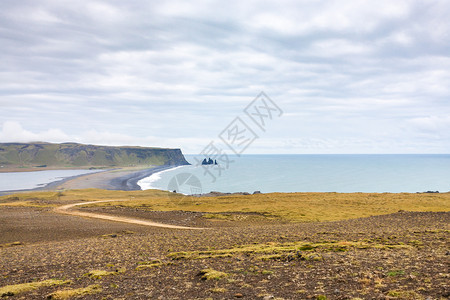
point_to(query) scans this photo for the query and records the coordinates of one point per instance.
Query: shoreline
(126, 179)
(110, 179)
(129, 182)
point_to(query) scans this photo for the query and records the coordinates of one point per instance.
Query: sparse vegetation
(15, 289)
(285, 251)
(149, 264)
(218, 290)
(210, 274)
(219, 216)
(258, 251)
(70, 293)
(395, 273)
(411, 295)
(11, 244)
(32, 203)
(99, 274)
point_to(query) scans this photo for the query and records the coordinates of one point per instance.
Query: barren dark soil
(398, 256)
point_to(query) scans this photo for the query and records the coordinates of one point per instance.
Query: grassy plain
(293, 207)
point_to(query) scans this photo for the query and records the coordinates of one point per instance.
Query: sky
(346, 76)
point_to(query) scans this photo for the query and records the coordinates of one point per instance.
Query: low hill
(41, 154)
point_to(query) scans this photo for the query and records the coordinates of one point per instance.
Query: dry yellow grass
(12, 290)
(25, 204)
(70, 293)
(273, 250)
(298, 207)
(98, 274)
(210, 274)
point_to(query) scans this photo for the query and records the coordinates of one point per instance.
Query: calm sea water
(29, 180)
(310, 173)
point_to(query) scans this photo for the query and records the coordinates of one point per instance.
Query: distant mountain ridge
(41, 154)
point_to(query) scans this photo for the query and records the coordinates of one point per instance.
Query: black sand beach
(111, 179)
(129, 182)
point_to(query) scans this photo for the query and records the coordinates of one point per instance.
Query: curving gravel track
(66, 209)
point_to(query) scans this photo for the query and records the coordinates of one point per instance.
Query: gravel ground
(406, 256)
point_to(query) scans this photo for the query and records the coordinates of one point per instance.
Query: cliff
(78, 155)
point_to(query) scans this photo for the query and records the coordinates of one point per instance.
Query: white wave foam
(148, 183)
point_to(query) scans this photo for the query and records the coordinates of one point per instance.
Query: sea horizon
(345, 173)
(372, 173)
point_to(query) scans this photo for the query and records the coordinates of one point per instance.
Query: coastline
(129, 182)
(112, 179)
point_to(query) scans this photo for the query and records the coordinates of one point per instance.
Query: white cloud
(401, 37)
(14, 132)
(104, 12)
(42, 15)
(433, 124)
(175, 73)
(307, 17)
(338, 47)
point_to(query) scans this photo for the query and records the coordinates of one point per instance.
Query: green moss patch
(98, 274)
(149, 264)
(288, 251)
(404, 295)
(12, 290)
(210, 274)
(11, 244)
(69, 293)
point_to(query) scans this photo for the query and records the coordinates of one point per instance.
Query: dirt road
(65, 209)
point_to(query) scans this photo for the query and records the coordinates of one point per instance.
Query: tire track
(66, 209)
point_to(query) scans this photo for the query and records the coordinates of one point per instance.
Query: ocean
(14, 181)
(308, 173)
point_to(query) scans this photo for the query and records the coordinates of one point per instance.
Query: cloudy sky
(350, 76)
